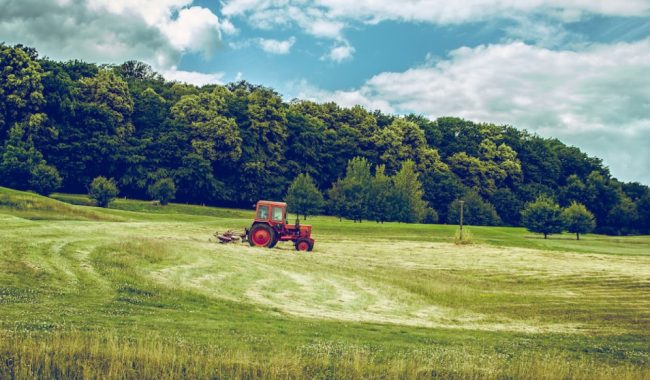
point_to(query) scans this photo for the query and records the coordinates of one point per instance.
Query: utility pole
(461, 219)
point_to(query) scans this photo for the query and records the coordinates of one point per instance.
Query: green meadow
(144, 291)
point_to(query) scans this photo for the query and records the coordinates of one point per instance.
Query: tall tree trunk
(577, 235)
(545, 235)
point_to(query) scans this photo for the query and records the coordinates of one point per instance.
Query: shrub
(102, 191)
(465, 239)
(163, 190)
(45, 179)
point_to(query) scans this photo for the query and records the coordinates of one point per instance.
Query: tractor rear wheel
(261, 235)
(303, 245)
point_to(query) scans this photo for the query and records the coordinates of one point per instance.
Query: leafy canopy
(543, 216)
(103, 191)
(238, 143)
(163, 190)
(578, 219)
(303, 198)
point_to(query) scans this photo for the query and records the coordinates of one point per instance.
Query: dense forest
(62, 124)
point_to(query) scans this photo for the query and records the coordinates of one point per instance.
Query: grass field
(143, 291)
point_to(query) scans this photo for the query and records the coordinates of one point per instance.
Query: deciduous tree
(21, 90)
(381, 205)
(623, 216)
(102, 191)
(350, 195)
(476, 211)
(303, 198)
(45, 179)
(162, 190)
(578, 219)
(543, 216)
(408, 195)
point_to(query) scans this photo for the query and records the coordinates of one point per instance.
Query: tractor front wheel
(261, 235)
(304, 245)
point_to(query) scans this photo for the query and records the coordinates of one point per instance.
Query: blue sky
(572, 69)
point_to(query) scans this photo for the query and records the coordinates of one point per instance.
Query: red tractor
(270, 227)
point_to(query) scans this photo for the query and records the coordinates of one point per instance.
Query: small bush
(45, 179)
(103, 191)
(163, 190)
(466, 239)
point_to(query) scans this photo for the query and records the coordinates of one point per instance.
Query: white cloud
(228, 27)
(340, 52)
(112, 31)
(596, 98)
(540, 32)
(325, 28)
(461, 11)
(192, 77)
(270, 46)
(276, 46)
(346, 98)
(329, 18)
(195, 29)
(153, 12)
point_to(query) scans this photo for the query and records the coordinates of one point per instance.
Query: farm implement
(269, 227)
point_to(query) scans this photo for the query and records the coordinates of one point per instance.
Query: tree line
(63, 124)
(363, 195)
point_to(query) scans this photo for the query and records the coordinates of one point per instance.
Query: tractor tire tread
(257, 226)
(309, 244)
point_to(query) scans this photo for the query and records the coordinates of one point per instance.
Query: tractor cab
(273, 213)
(270, 226)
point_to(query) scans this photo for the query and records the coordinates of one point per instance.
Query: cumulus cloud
(195, 29)
(271, 46)
(192, 77)
(304, 90)
(596, 98)
(340, 52)
(541, 32)
(276, 46)
(312, 19)
(113, 31)
(329, 18)
(152, 12)
(228, 28)
(461, 11)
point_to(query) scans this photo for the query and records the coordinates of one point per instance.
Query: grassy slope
(140, 290)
